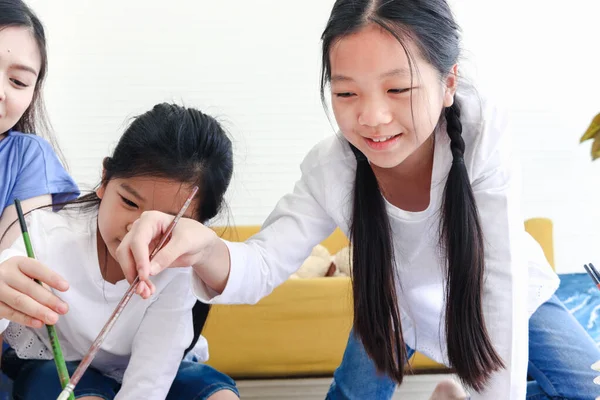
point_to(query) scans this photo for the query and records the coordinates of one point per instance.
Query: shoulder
(486, 130)
(66, 222)
(484, 122)
(333, 149)
(331, 156)
(34, 153)
(30, 143)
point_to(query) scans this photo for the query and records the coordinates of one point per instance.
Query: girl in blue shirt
(29, 168)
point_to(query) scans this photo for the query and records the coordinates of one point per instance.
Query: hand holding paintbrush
(25, 302)
(87, 360)
(59, 360)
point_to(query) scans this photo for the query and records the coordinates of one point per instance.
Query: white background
(255, 65)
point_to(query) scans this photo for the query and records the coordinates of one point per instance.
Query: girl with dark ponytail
(421, 180)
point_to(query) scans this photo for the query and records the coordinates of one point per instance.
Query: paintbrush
(59, 360)
(87, 360)
(592, 273)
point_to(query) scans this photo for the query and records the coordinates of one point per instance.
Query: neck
(408, 185)
(418, 164)
(109, 267)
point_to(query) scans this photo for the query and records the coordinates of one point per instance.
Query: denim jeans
(38, 380)
(560, 355)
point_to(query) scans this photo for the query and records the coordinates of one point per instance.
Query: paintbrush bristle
(64, 395)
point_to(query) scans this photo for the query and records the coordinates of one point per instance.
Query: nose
(375, 112)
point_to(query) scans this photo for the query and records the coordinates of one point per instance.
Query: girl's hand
(26, 302)
(186, 247)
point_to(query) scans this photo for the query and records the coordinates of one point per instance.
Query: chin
(386, 163)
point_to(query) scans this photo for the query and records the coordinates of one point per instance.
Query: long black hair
(175, 143)
(181, 144)
(15, 13)
(430, 25)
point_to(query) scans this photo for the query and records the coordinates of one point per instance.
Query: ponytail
(376, 311)
(470, 350)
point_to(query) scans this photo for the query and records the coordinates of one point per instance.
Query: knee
(448, 390)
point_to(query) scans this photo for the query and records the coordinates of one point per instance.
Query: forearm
(214, 266)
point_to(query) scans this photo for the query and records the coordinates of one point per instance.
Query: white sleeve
(497, 194)
(298, 223)
(164, 334)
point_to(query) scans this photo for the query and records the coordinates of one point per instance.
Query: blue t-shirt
(30, 168)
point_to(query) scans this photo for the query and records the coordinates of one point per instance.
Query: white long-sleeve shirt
(518, 278)
(145, 347)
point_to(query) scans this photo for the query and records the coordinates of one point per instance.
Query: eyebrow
(132, 191)
(394, 72)
(25, 68)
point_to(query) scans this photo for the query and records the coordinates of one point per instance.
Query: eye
(128, 203)
(399, 91)
(345, 94)
(19, 83)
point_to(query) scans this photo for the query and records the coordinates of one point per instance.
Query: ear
(451, 84)
(102, 188)
(100, 191)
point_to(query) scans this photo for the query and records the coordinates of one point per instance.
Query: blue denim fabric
(560, 355)
(38, 380)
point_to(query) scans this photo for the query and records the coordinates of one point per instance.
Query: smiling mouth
(381, 143)
(383, 138)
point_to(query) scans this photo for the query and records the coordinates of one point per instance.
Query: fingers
(151, 287)
(36, 270)
(148, 290)
(18, 305)
(140, 288)
(24, 285)
(25, 301)
(133, 252)
(126, 261)
(189, 241)
(166, 257)
(18, 317)
(145, 289)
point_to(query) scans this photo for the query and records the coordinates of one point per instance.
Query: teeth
(383, 139)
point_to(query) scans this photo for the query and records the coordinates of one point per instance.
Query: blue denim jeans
(560, 355)
(38, 380)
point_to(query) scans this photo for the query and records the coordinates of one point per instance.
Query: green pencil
(59, 360)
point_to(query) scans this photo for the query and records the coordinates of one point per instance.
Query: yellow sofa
(300, 329)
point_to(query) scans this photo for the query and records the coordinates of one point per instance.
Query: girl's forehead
(17, 45)
(372, 51)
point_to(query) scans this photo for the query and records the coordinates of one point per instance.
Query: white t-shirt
(144, 348)
(518, 278)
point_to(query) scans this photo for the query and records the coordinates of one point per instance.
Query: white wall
(255, 64)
